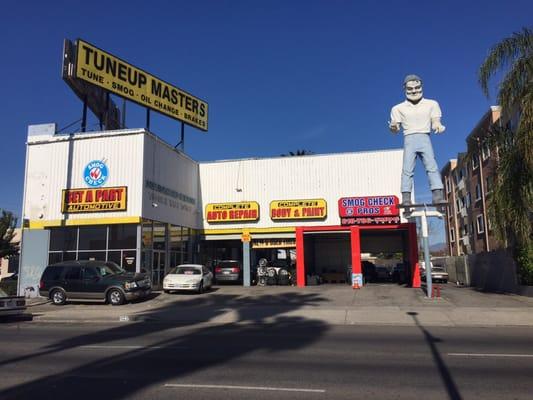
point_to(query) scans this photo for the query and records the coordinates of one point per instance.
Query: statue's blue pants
(419, 145)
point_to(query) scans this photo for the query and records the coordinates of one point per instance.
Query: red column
(413, 256)
(355, 239)
(300, 259)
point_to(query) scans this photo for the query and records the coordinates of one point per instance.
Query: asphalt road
(289, 359)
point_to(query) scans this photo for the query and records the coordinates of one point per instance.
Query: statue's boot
(406, 198)
(438, 196)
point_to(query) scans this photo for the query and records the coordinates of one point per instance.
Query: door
(158, 268)
(92, 286)
(72, 282)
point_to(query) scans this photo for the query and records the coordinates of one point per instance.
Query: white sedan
(194, 277)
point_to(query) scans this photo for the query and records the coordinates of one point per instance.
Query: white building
(129, 197)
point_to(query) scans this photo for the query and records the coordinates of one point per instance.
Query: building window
(457, 204)
(93, 238)
(485, 152)
(488, 184)
(472, 228)
(475, 162)
(480, 225)
(468, 200)
(452, 235)
(448, 186)
(478, 192)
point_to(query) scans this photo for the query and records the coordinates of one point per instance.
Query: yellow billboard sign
(298, 209)
(232, 212)
(86, 200)
(117, 76)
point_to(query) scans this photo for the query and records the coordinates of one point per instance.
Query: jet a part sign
(117, 76)
(94, 200)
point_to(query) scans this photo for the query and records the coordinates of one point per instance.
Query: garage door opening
(384, 256)
(328, 258)
(335, 251)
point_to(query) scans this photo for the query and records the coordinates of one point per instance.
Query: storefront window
(92, 255)
(62, 239)
(159, 236)
(122, 236)
(93, 238)
(147, 237)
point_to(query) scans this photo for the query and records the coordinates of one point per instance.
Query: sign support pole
(84, 116)
(123, 113)
(147, 119)
(182, 136)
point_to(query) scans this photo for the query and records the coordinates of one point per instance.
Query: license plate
(226, 272)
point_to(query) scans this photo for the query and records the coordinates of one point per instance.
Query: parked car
(369, 271)
(438, 274)
(194, 277)
(9, 284)
(11, 305)
(228, 271)
(383, 273)
(398, 273)
(95, 280)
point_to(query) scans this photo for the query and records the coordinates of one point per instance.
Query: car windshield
(228, 264)
(107, 270)
(186, 270)
(114, 267)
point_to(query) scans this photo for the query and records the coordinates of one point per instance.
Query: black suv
(98, 280)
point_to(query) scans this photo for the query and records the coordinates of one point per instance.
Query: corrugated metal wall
(48, 169)
(300, 177)
(170, 169)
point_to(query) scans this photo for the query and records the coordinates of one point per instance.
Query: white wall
(47, 171)
(329, 176)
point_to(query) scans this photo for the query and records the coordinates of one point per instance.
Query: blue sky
(278, 75)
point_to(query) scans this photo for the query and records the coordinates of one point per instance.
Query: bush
(525, 264)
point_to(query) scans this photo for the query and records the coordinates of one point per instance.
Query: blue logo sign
(95, 173)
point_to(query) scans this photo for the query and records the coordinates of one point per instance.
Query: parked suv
(228, 271)
(97, 280)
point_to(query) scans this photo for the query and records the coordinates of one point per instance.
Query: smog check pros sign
(369, 206)
(95, 173)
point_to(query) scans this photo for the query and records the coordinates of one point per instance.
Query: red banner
(369, 206)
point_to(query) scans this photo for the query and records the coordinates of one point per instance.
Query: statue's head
(413, 87)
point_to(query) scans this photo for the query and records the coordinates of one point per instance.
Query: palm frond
(502, 54)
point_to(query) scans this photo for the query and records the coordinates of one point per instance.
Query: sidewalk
(379, 304)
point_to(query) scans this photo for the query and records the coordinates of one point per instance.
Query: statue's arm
(436, 115)
(394, 122)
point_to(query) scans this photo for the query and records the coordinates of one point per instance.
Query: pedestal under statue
(417, 117)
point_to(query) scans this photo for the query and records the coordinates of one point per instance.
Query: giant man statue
(418, 117)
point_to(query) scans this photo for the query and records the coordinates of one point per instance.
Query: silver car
(192, 277)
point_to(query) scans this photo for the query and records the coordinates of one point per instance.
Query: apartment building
(468, 184)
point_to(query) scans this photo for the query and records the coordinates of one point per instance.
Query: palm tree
(511, 200)
(299, 153)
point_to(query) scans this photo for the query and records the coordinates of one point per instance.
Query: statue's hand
(394, 127)
(437, 126)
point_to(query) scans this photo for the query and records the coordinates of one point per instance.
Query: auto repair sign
(369, 206)
(232, 212)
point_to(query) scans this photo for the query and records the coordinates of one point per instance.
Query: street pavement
(375, 304)
(288, 358)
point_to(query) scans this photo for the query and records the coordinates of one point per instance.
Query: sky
(279, 76)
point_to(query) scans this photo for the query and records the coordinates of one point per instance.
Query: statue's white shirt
(415, 118)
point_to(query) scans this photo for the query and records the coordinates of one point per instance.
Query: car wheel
(201, 288)
(115, 297)
(58, 297)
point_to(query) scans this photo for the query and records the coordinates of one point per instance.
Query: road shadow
(446, 376)
(129, 371)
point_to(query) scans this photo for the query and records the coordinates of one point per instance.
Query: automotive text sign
(115, 75)
(88, 200)
(298, 209)
(232, 212)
